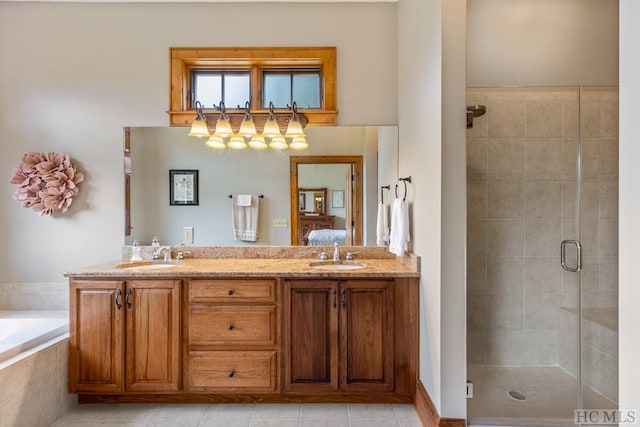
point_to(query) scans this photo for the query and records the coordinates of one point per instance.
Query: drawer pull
(230, 327)
(230, 292)
(230, 374)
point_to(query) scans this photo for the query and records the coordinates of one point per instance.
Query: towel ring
(382, 188)
(404, 181)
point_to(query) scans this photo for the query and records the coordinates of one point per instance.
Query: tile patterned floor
(550, 391)
(241, 415)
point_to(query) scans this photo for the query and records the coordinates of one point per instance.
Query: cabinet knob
(230, 327)
(230, 292)
(230, 374)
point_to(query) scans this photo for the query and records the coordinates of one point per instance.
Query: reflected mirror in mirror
(312, 200)
(153, 151)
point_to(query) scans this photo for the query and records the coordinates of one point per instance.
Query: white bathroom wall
(629, 277)
(73, 75)
(420, 125)
(542, 42)
(431, 72)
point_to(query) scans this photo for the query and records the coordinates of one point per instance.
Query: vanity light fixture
(199, 125)
(247, 135)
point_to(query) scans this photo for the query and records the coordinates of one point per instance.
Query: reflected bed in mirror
(155, 151)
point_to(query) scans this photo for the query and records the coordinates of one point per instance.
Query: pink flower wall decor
(46, 182)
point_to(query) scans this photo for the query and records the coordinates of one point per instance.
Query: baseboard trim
(428, 413)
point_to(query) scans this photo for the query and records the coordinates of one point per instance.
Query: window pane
(306, 90)
(236, 90)
(277, 89)
(207, 89)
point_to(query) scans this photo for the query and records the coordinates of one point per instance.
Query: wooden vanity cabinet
(124, 336)
(338, 336)
(233, 336)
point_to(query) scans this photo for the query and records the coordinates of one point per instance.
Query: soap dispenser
(136, 251)
(155, 242)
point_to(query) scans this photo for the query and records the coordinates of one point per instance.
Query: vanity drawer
(229, 370)
(215, 325)
(229, 290)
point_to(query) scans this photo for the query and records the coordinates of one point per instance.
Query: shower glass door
(536, 177)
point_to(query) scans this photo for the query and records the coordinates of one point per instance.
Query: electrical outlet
(280, 222)
(469, 389)
(187, 235)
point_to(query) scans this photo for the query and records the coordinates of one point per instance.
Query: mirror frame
(357, 195)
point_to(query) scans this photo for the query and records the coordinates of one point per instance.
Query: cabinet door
(366, 336)
(310, 331)
(96, 336)
(153, 335)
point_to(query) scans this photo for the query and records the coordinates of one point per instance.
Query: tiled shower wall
(521, 163)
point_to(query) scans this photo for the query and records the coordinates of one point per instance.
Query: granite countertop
(249, 267)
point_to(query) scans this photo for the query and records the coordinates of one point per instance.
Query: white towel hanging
(245, 219)
(382, 225)
(243, 199)
(399, 236)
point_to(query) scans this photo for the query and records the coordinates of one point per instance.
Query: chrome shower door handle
(563, 255)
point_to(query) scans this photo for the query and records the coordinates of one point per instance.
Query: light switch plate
(187, 235)
(280, 223)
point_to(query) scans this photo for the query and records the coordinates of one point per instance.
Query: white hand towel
(245, 220)
(382, 226)
(243, 200)
(399, 228)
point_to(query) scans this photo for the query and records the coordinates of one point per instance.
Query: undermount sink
(336, 265)
(146, 265)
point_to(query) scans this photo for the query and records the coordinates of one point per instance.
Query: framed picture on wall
(183, 187)
(337, 198)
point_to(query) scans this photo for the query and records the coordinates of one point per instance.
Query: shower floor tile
(550, 396)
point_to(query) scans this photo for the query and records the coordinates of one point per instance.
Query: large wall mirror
(153, 152)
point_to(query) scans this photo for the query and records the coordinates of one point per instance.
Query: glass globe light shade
(223, 127)
(294, 128)
(199, 129)
(247, 128)
(299, 143)
(271, 128)
(237, 143)
(278, 143)
(257, 143)
(215, 142)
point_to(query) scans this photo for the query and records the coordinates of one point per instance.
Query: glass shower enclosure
(542, 188)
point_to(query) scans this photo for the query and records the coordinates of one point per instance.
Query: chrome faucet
(167, 253)
(336, 252)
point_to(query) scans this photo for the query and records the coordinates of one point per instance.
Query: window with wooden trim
(306, 76)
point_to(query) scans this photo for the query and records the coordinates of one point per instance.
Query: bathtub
(33, 360)
(23, 332)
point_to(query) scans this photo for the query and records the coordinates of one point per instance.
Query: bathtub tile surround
(33, 391)
(34, 296)
(521, 162)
